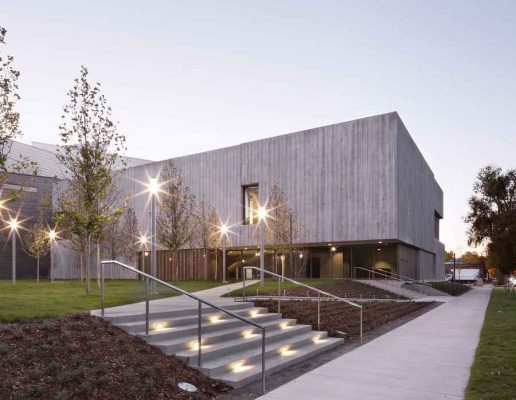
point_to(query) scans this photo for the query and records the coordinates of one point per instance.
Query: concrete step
(181, 331)
(246, 372)
(211, 351)
(231, 349)
(395, 287)
(253, 354)
(156, 315)
(174, 345)
(162, 323)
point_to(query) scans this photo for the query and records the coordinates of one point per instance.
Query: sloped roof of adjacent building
(44, 154)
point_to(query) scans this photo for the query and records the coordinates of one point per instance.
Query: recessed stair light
(158, 326)
(286, 351)
(239, 366)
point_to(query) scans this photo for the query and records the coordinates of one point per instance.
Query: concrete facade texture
(357, 182)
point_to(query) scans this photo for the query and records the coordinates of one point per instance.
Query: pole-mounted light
(223, 229)
(154, 188)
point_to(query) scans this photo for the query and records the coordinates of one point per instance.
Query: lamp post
(13, 224)
(224, 232)
(52, 236)
(333, 249)
(153, 190)
(262, 215)
(143, 240)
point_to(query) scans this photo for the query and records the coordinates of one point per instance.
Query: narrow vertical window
(437, 219)
(250, 204)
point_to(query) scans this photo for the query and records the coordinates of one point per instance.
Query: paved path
(427, 358)
(212, 295)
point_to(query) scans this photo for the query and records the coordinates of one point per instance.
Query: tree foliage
(492, 216)
(90, 149)
(9, 117)
(36, 242)
(283, 227)
(119, 239)
(448, 255)
(471, 257)
(207, 234)
(176, 216)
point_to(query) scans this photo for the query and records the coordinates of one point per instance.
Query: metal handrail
(400, 278)
(177, 289)
(319, 292)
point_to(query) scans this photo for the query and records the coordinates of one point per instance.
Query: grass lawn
(271, 286)
(493, 374)
(29, 299)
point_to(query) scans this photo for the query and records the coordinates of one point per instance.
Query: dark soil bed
(452, 288)
(345, 288)
(83, 357)
(341, 317)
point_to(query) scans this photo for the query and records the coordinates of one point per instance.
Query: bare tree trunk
(205, 265)
(37, 270)
(88, 262)
(216, 263)
(81, 267)
(98, 265)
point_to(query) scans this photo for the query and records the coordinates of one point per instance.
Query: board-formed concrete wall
(341, 179)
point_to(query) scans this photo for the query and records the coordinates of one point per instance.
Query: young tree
(492, 216)
(36, 243)
(119, 239)
(207, 235)
(277, 226)
(283, 228)
(176, 215)
(90, 149)
(10, 118)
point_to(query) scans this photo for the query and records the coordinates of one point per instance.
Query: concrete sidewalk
(428, 358)
(181, 302)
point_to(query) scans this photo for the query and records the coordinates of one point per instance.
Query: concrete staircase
(410, 290)
(393, 286)
(231, 349)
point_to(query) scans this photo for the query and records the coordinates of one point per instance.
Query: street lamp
(13, 225)
(262, 215)
(154, 188)
(223, 229)
(143, 240)
(333, 249)
(52, 237)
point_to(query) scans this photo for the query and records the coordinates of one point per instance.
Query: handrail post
(146, 306)
(361, 322)
(102, 289)
(199, 338)
(263, 360)
(318, 311)
(244, 270)
(279, 295)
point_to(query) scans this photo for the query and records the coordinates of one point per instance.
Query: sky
(184, 77)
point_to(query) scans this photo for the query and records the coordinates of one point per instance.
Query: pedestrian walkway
(212, 295)
(427, 358)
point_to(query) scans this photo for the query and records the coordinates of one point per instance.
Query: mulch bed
(452, 288)
(345, 288)
(342, 317)
(83, 357)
